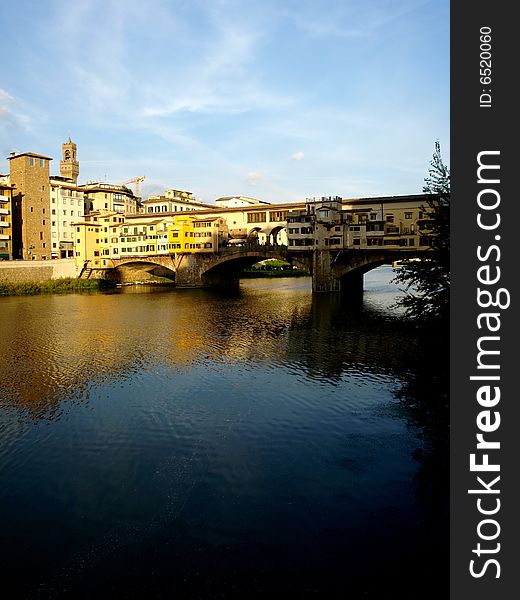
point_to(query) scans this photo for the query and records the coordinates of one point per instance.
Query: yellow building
(188, 234)
(6, 232)
(96, 236)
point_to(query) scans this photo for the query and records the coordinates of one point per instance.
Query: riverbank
(65, 285)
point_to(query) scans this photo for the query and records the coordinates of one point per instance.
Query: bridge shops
(336, 240)
(328, 223)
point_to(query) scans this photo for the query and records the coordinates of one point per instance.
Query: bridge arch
(226, 269)
(136, 269)
(346, 269)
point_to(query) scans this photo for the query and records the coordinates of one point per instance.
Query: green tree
(427, 280)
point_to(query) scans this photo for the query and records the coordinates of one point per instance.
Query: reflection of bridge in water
(331, 270)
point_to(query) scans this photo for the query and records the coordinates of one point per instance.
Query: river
(163, 443)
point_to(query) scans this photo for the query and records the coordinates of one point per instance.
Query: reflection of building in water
(82, 344)
(341, 337)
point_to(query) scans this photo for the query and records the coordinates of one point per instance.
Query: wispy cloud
(12, 116)
(227, 94)
(253, 178)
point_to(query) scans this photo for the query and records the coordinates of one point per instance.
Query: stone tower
(69, 166)
(31, 214)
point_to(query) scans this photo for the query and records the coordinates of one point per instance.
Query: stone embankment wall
(18, 271)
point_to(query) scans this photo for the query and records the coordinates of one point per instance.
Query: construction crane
(135, 180)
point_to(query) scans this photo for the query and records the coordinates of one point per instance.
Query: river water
(162, 443)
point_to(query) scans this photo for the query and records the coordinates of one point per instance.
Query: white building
(67, 207)
(173, 201)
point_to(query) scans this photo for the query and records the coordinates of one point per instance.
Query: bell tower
(69, 165)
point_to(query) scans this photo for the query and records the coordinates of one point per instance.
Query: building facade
(67, 207)
(104, 236)
(334, 223)
(6, 232)
(29, 174)
(173, 201)
(109, 197)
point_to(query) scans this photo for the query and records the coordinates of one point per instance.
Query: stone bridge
(331, 270)
(221, 269)
(343, 270)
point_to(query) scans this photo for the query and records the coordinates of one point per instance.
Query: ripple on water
(209, 421)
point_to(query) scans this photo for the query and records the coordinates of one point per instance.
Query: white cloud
(5, 96)
(298, 156)
(253, 177)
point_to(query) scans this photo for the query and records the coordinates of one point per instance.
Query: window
(279, 215)
(389, 218)
(41, 163)
(373, 216)
(408, 215)
(256, 217)
(31, 161)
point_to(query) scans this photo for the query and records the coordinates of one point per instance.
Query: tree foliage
(427, 280)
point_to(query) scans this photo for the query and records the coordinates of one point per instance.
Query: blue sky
(275, 99)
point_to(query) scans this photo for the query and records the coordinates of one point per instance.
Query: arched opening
(142, 272)
(278, 236)
(227, 271)
(256, 236)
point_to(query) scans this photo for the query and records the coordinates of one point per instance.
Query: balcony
(4, 211)
(4, 237)
(4, 224)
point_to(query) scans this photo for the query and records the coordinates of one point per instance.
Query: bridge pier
(323, 276)
(328, 275)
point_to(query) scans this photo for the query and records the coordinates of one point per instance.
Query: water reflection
(265, 439)
(59, 347)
